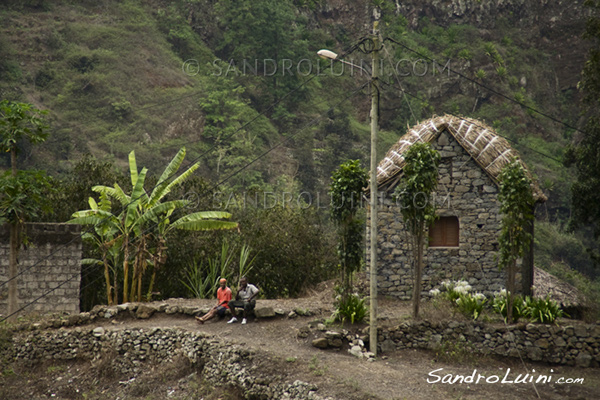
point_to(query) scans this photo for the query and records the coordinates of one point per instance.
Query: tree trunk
(126, 272)
(109, 298)
(510, 288)
(418, 275)
(13, 296)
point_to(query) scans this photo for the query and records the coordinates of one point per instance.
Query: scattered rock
(264, 312)
(98, 332)
(303, 332)
(292, 314)
(320, 343)
(172, 310)
(321, 327)
(356, 351)
(583, 360)
(144, 312)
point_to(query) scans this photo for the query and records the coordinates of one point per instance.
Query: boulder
(144, 312)
(264, 312)
(320, 343)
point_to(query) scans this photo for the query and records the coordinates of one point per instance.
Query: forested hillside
(238, 82)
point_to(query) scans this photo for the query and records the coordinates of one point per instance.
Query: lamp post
(372, 179)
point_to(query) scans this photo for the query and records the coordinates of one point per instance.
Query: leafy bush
(457, 293)
(500, 305)
(351, 308)
(544, 311)
(471, 305)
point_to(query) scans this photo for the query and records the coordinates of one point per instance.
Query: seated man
(245, 298)
(223, 298)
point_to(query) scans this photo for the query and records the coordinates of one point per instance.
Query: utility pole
(373, 183)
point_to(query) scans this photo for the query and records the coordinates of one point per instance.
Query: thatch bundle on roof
(489, 150)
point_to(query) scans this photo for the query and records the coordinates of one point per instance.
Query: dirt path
(401, 374)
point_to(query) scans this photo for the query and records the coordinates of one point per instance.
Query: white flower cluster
(462, 287)
(434, 292)
(501, 293)
(479, 296)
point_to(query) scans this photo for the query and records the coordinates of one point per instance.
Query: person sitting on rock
(223, 299)
(243, 299)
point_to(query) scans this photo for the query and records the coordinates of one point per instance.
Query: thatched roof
(560, 291)
(490, 151)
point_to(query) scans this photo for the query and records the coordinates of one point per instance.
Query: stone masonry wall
(465, 191)
(129, 349)
(50, 266)
(568, 345)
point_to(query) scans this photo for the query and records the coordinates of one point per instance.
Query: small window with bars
(444, 232)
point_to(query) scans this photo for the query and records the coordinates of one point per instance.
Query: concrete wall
(464, 191)
(50, 266)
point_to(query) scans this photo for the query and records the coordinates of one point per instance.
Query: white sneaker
(232, 320)
(244, 321)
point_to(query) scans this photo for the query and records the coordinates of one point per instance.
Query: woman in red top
(223, 299)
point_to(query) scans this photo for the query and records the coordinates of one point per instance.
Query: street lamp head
(327, 54)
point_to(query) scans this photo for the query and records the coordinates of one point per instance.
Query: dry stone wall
(50, 266)
(465, 191)
(222, 363)
(568, 345)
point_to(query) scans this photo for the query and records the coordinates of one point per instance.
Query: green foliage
(517, 201)
(516, 206)
(142, 226)
(418, 182)
(544, 311)
(202, 280)
(584, 156)
(458, 294)
(346, 190)
(349, 308)
(295, 248)
(20, 120)
(500, 305)
(25, 197)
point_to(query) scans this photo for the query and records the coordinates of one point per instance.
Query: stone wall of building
(465, 191)
(49, 268)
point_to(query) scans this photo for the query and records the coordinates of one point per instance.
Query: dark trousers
(248, 306)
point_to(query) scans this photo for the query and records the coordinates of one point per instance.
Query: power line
(310, 123)
(244, 126)
(494, 91)
(462, 118)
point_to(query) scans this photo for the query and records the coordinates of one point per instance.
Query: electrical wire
(283, 141)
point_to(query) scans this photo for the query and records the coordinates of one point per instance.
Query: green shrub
(500, 305)
(471, 305)
(544, 311)
(351, 308)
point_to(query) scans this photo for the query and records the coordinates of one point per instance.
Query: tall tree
(418, 181)
(20, 191)
(516, 199)
(264, 34)
(585, 155)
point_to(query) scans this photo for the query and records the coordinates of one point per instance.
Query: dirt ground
(401, 374)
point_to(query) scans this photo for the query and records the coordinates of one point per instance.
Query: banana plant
(146, 220)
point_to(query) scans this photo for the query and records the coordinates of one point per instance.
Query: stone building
(49, 268)
(463, 241)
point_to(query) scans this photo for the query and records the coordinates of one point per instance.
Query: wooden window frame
(445, 232)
